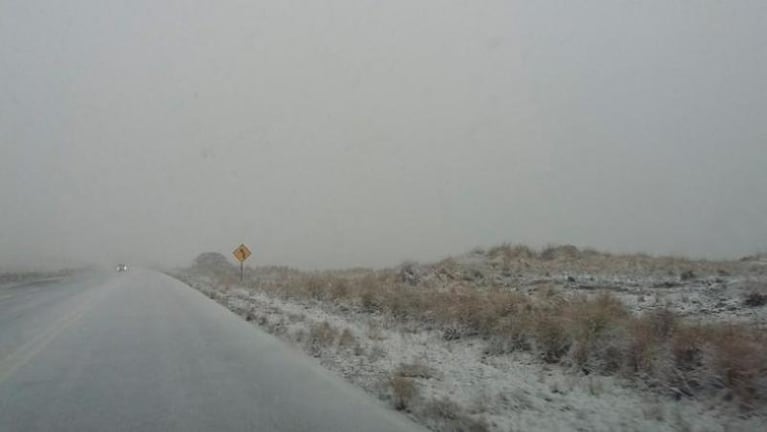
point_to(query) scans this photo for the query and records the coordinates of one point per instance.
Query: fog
(347, 132)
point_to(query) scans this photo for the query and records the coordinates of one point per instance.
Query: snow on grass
(373, 330)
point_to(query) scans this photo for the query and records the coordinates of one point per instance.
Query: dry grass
(447, 416)
(403, 391)
(736, 358)
(755, 299)
(414, 370)
(598, 335)
(510, 252)
(439, 414)
(591, 335)
(321, 336)
(347, 339)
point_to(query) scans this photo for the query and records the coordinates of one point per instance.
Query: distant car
(122, 268)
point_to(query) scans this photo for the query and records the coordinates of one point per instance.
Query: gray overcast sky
(350, 132)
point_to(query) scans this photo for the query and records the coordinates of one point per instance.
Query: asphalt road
(140, 351)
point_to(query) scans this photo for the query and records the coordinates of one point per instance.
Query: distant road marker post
(241, 253)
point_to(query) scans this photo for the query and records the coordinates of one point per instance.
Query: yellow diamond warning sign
(241, 253)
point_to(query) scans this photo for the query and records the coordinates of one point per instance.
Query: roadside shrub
(687, 275)
(213, 261)
(316, 287)
(414, 370)
(498, 251)
(447, 416)
(513, 332)
(347, 339)
(321, 335)
(376, 353)
(687, 344)
(509, 252)
(552, 338)
(370, 302)
(370, 292)
(559, 252)
(339, 289)
(521, 251)
(738, 360)
(408, 273)
(755, 299)
(402, 302)
(403, 391)
(592, 316)
(646, 342)
(593, 324)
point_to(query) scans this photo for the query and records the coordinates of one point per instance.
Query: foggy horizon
(356, 133)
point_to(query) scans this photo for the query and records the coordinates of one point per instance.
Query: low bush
(321, 336)
(347, 339)
(447, 416)
(414, 370)
(403, 391)
(755, 299)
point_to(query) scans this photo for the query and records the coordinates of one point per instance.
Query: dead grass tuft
(509, 252)
(447, 416)
(414, 370)
(687, 275)
(338, 289)
(321, 336)
(403, 391)
(738, 360)
(559, 252)
(755, 299)
(347, 339)
(552, 338)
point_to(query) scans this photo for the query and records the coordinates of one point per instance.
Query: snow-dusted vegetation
(513, 338)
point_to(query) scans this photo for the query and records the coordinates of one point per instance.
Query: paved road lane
(140, 351)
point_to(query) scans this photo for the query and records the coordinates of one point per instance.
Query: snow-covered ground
(454, 385)
(10, 279)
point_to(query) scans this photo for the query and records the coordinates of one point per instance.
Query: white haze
(350, 132)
